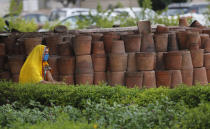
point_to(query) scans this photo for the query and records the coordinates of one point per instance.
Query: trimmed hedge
(78, 95)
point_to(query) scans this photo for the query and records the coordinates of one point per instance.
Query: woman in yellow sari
(36, 69)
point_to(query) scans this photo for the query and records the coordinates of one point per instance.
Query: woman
(36, 69)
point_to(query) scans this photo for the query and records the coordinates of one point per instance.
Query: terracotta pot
(115, 78)
(183, 21)
(131, 62)
(118, 47)
(15, 77)
(186, 60)
(52, 41)
(194, 46)
(162, 29)
(118, 62)
(145, 61)
(68, 79)
(84, 64)
(15, 63)
(99, 77)
(147, 43)
(66, 65)
(172, 42)
(5, 76)
(97, 36)
(98, 47)
(163, 78)
(160, 65)
(161, 42)
(132, 43)
(30, 43)
(193, 38)
(200, 76)
(144, 27)
(182, 39)
(9, 44)
(206, 31)
(149, 80)
(203, 37)
(134, 79)
(207, 60)
(53, 62)
(187, 76)
(173, 60)
(208, 75)
(2, 49)
(207, 45)
(64, 49)
(108, 37)
(82, 45)
(2, 62)
(176, 78)
(197, 57)
(99, 63)
(84, 78)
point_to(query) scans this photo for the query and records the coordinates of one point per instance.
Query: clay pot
(108, 37)
(182, 39)
(82, 45)
(68, 79)
(186, 60)
(207, 60)
(131, 62)
(84, 78)
(197, 58)
(97, 36)
(206, 31)
(133, 79)
(99, 77)
(183, 22)
(30, 43)
(203, 37)
(118, 62)
(145, 60)
(160, 65)
(163, 78)
(9, 44)
(149, 80)
(176, 78)
(161, 42)
(199, 76)
(132, 43)
(2, 62)
(5, 76)
(66, 65)
(52, 41)
(207, 45)
(15, 63)
(98, 47)
(2, 49)
(99, 63)
(53, 62)
(15, 77)
(194, 46)
(193, 38)
(144, 27)
(147, 43)
(84, 64)
(118, 47)
(172, 42)
(162, 29)
(173, 60)
(207, 73)
(115, 78)
(64, 49)
(187, 76)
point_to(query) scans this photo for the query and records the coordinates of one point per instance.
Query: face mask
(46, 56)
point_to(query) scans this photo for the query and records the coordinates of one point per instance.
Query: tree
(66, 3)
(16, 7)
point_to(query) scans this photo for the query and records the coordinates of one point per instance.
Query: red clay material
(163, 78)
(197, 58)
(203, 37)
(66, 65)
(97, 36)
(176, 78)
(64, 49)
(161, 42)
(207, 60)
(30, 43)
(2, 49)
(15, 63)
(193, 38)
(68, 79)
(160, 65)
(98, 47)
(118, 62)
(131, 62)
(15, 77)
(118, 47)
(53, 62)
(9, 44)
(149, 80)
(145, 61)
(134, 79)
(186, 60)
(208, 74)
(132, 43)
(144, 27)
(99, 77)
(200, 76)
(86, 78)
(147, 43)
(187, 76)
(173, 60)
(52, 42)
(182, 39)
(115, 78)
(82, 45)
(2, 62)
(162, 29)
(5, 76)
(194, 46)
(99, 63)
(207, 45)
(107, 38)
(84, 64)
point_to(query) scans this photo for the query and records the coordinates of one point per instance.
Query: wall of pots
(145, 58)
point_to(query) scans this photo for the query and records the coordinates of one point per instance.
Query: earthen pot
(82, 45)
(98, 47)
(163, 78)
(118, 62)
(134, 79)
(108, 38)
(207, 60)
(187, 76)
(99, 63)
(116, 78)
(173, 60)
(161, 42)
(194, 46)
(118, 47)
(52, 41)
(182, 39)
(68, 79)
(84, 78)
(132, 43)
(9, 44)
(176, 78)
(66, 65)
(15, 63)
(149, 79)
(84, 64)
(186, 60)
(200, 76)
(162, 29)
(172, 42)
(207, 45)
(99, 77)
(147, 43)
(53, 62)
(2, 49)
(2, 62)
(193, 38)
(96, 36)
(30, 43)
(160, 65)
(145, 61)
(208, 75)
(197, 58)
(64, 49)
(144, 27)
(5, 75)
(131, 62)
(203, 37)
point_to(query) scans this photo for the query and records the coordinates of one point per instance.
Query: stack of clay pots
(206, 43)
(84, 66)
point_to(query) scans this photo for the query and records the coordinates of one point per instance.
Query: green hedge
(78, 95)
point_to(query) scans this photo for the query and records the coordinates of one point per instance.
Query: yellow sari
(32, 69)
